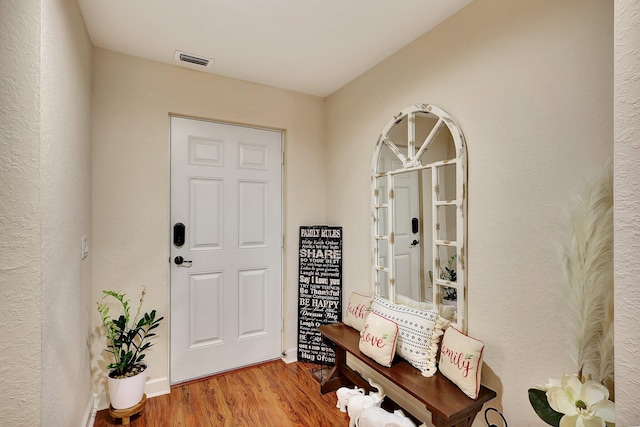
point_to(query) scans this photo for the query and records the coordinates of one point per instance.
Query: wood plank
(273, 393)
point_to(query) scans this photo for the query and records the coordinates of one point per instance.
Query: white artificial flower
(551, 383)
(583, 405)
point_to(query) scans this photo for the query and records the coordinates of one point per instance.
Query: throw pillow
(409, 302)
(461, 361)
(357, 310)
(378, 339)
(419, 333)
(446, 311)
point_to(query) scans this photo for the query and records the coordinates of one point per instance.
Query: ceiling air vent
(193, 59)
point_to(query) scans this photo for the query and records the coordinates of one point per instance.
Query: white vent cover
(190, 58)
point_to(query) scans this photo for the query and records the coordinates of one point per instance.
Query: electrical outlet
(85, 246)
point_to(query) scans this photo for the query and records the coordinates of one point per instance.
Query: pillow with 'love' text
(461, 361)
(357, 309)
(378, 338)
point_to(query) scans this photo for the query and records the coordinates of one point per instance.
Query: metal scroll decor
(319, 290)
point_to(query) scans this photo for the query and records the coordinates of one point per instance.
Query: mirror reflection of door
(407, 254)
(419, 171)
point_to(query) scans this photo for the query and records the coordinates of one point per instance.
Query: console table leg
(336, 378)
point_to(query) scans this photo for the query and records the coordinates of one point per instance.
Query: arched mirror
(418, 182)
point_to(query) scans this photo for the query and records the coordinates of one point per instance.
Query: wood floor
(273, 394)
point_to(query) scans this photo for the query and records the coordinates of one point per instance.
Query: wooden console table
(448, 405)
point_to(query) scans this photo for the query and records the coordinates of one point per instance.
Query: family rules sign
(319, 290)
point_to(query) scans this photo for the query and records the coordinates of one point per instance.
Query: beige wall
(20, 239)
(530, 84)
(627, 206)
(132, 100)
(65, 171)
(45, 193)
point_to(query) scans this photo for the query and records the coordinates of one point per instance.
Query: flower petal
(589, 421)
(569, 421)
(560, 402)
(551, 383)
(593, 392)
(572, 385)
(606, 410)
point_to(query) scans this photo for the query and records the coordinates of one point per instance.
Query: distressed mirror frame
(383, 207)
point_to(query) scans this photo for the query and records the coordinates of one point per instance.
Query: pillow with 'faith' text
(357, 309)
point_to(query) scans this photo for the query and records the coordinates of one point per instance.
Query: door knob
(179, 260)
(414, 243)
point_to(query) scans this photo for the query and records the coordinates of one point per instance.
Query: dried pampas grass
(587, 258)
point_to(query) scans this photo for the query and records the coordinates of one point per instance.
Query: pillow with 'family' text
(461, 361)
(357, 309)
(419, 333)
(378, 339)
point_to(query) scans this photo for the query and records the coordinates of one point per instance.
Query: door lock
(178, 234)
(179, 260)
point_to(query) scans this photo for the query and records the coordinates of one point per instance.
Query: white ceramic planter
(126, 392)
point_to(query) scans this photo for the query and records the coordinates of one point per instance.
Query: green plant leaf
(127, 338)
(540, 404)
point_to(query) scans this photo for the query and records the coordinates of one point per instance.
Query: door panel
(206, 208)
(205, 322)
(253, 214)
(226, 296)
(252, 298)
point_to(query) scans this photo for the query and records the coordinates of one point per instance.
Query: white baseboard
(101, 401)
(290, 356)
(157, 387)
(90, 413)
(153, 388)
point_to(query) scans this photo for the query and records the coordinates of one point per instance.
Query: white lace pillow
(357, 310)
(420, 305)
(446, 311)
(378, 339)
(419, 333)
(461, 361)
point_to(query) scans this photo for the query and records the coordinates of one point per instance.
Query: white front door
(226, 294)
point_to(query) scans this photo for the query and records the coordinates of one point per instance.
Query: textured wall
(19, 212)
(627, 210)
(131, 103)
(66, 214)
(530, 84)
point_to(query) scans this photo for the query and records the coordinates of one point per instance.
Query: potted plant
(128, 340)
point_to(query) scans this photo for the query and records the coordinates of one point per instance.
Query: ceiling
(309, 46)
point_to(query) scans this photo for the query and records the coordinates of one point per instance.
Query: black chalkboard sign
(319, 290)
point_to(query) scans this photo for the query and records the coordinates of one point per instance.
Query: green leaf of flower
(540, 404)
